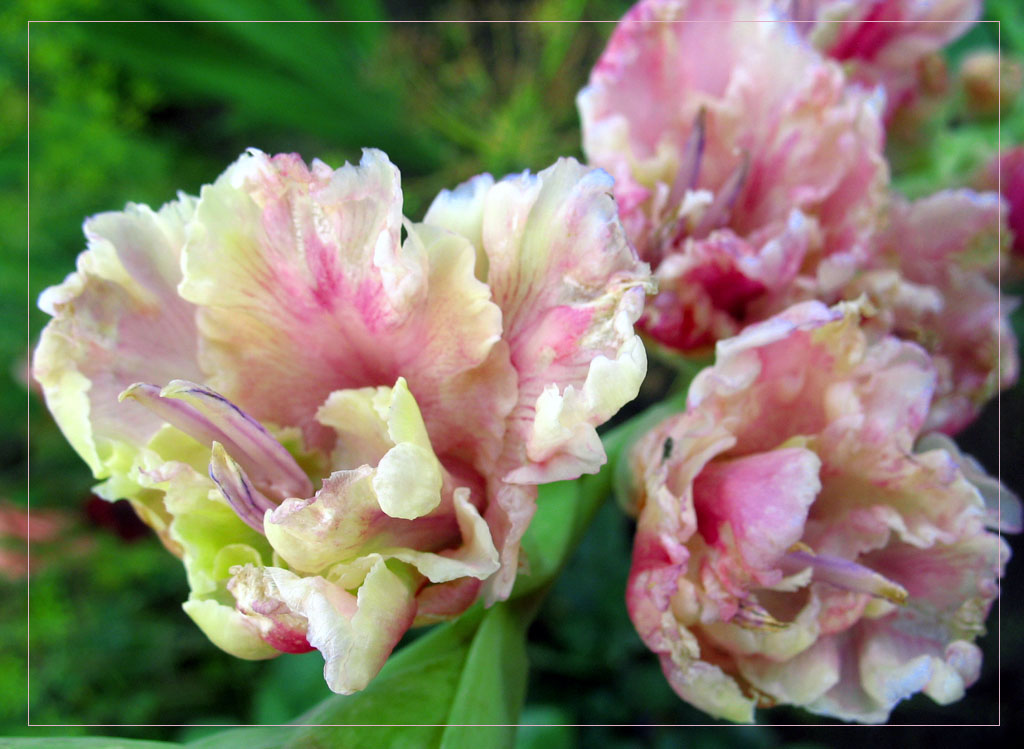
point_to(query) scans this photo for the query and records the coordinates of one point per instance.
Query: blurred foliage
(134, 112)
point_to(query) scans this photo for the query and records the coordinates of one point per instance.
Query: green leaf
(471, 672)
(546, 544)
(83, 742)
(493, 684)
(409, 701)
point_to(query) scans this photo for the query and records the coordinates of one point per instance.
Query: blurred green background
(135, 112)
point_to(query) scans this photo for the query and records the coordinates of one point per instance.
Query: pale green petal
(117, 320)
(229, 630)
(408, 481)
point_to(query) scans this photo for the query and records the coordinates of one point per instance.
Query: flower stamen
(845, 574)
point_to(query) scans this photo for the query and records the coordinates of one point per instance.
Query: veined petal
(249, 442)
(209, 536)
(569, 288)
(304, 288)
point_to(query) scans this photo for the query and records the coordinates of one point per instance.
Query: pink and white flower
(894, 44)
(340, 430)
(1005, 173)
(932, 279)
(798, 544)
(748, 173)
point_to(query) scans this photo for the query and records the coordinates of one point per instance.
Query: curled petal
(1002, 506)
(408, 477)
(384, 426)
(354, 633)
(404, 507)
(569, 288)
(334, 525)
(476, 557)
(249, 441)
(229, 629)
(209, 417)
(845, 574)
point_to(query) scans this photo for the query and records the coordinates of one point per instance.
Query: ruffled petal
(476, 557)
(1002, 506)
(792, 547)
(117, 320)
(778, 129)
(402, 504)
(354, 633)
(569, 288)
(305, 288)
(886, 42)
(708, 287)
(930, 281)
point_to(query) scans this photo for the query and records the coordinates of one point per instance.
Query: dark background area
(135, 112)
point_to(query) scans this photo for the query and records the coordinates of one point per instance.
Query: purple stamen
(693, 155)
(209, 417)
(752, 615)
(843, 573)
(720, 209)
(236, 488)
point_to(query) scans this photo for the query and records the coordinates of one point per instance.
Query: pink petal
(308, 263)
